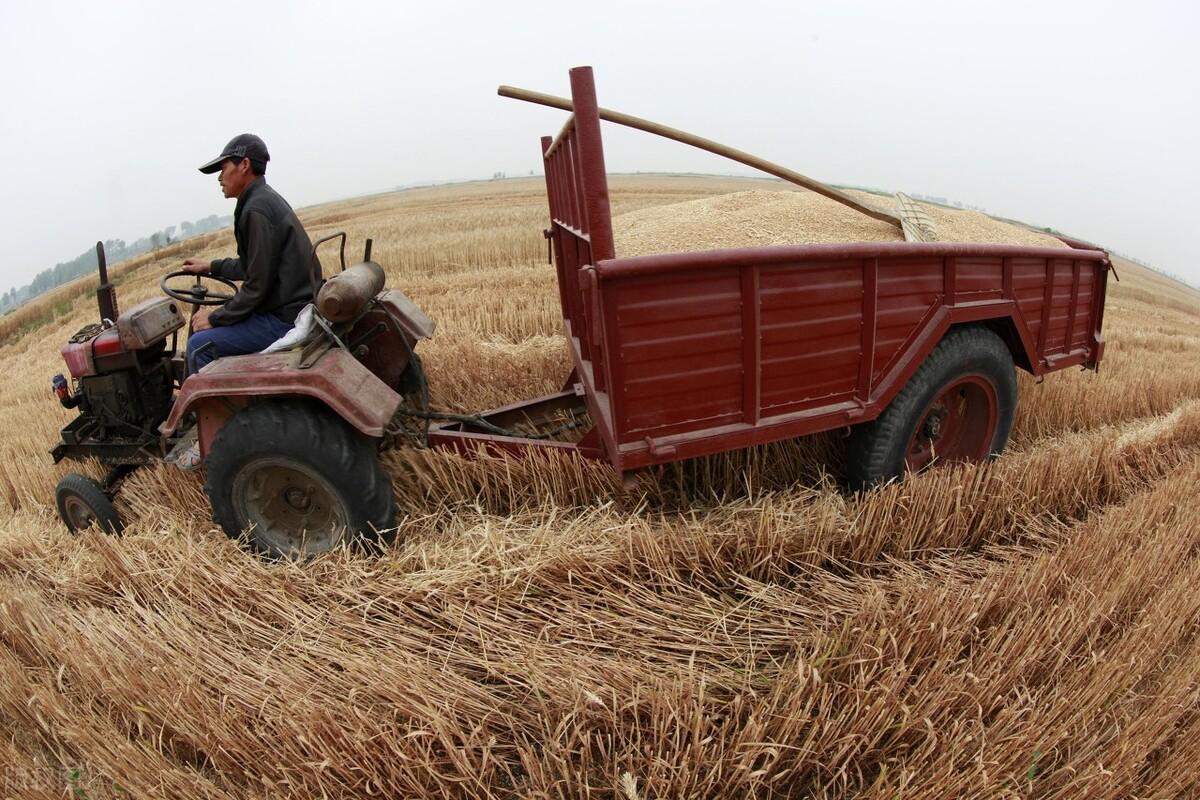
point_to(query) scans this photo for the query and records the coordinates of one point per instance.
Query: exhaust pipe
(106, 295)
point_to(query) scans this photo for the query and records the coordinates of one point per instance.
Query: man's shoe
(189, 459)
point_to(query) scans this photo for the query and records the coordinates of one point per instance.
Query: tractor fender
(337, 379)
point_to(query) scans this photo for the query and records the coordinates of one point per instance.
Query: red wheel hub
(958, 425)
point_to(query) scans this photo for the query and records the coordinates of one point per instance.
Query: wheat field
(737, 627)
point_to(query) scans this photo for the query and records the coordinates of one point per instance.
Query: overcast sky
(1079, 115)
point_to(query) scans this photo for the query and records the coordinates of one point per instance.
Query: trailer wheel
(299, 481)
(958, 406)
(82, 502)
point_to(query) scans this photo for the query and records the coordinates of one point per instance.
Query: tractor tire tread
(299, 428)
(93, 494)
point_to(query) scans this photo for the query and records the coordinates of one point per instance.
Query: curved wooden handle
(707, 144)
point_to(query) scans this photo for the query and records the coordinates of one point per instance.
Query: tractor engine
(124, 375)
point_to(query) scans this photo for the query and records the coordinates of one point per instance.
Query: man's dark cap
(244, 145)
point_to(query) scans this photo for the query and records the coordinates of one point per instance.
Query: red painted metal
(870, 306)
(751, 347)
(957, 425)
(78, 356)
(107, 344)
(689, 354)
(581, 233)
(336, 379)
(379, 346)
(211, 415)
(681, 334)
(593, 180)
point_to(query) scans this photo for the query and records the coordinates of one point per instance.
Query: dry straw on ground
(739, 628)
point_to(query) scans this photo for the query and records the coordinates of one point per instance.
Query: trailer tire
(82, 502)
(277, 467)
(961, 400)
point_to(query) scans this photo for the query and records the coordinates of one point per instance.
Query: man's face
(234, 176)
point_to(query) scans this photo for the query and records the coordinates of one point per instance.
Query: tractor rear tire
(82, 502)
(298, 481)
(957, 407)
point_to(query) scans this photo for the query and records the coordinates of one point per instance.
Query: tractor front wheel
(298, 481)
(82, 503)
(958, 407)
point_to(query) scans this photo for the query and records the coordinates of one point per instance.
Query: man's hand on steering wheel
(196, 266)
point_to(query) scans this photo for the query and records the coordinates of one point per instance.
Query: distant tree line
(115, 251)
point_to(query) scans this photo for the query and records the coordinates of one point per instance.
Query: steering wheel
(197, 294)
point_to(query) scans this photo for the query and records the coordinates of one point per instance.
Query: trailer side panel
(725, 349)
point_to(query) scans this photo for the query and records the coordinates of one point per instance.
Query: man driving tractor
(274, 262)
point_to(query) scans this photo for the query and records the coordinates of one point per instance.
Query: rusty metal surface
(337, 379)
(83, 438)
(379, 346)
(468, 443)
(538, 412)
(211, 415)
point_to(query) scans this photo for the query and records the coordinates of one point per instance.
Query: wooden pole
(707, 144)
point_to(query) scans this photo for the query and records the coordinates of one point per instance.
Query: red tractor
(290, 439)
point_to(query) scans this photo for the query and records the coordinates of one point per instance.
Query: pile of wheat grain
(757, 217)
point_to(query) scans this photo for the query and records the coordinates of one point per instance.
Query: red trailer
(690, 354)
